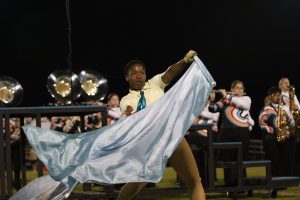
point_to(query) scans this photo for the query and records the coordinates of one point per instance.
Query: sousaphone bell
(11, 92)
(64, 86)
(94, 85)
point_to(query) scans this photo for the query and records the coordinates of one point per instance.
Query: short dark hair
(273, 90)
(132, 62)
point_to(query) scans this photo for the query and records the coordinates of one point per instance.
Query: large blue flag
(135, 148)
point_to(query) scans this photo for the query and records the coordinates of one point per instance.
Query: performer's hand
(128, 111)
(226, 101)
(189, 57)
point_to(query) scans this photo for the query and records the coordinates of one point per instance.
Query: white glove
(189, 57)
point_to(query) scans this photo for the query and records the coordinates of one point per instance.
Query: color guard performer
(142, 94)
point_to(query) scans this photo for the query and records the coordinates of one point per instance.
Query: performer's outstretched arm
(176, 69)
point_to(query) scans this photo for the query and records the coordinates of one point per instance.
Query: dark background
(255, 41)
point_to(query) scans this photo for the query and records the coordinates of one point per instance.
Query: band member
(269, 122)
(113, 111)
(142, 94)
(291, 100)
(93, 121)
(284, 86)
(234, 109)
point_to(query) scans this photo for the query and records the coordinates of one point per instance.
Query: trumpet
(230, 92)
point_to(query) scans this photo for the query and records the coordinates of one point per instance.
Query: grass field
(169, 181)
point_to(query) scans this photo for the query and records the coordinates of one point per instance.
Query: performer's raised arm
(176, 69)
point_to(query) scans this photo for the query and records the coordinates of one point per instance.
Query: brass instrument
(295, 112)
(94, 85)
(11, 92)
(282, 123)
(64, 86)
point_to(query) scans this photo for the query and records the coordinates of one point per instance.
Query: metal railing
(6, 172)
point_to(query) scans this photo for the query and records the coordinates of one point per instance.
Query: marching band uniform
(114, 111)
(113, 114)
(93, 121)
(234, 128)
(67, 124)
(286, 98)
(276, 152)
(57, 123)
(293, 146)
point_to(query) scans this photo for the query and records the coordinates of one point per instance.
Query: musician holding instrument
(234, 107)
(293, 147)
(287, 92)
(274, 121)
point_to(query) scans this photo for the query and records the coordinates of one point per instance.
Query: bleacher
(244, 183)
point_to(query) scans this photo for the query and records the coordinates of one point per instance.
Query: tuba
(11, 92)
(295, 112)
(64, 86)
(282, 123)
(93, 85)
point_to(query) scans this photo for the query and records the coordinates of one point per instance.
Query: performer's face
(114, 101)
(267, 101)
(284, 85)
(238, 89)
(275, 97)
(136, 77)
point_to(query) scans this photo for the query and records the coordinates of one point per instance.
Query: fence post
(2, 158)
(8, 155)
(40, 164)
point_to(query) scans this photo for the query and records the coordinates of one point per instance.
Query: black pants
(282, 155)
(287, 157)
(297, 160)
(233, 135)
(272, 152)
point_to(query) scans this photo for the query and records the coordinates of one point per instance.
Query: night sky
(255, 41)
